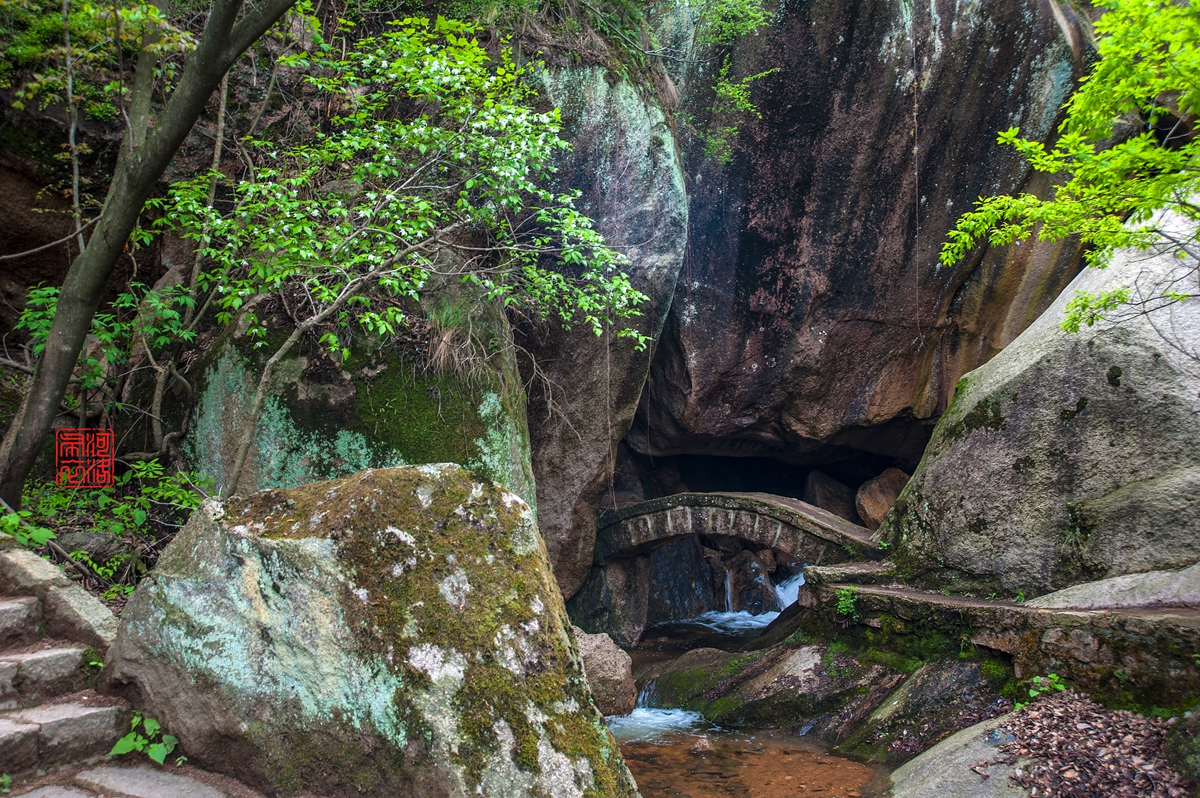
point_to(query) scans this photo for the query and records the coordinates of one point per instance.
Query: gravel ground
(1080, 749)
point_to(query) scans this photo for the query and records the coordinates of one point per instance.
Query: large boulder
(1070, 456)
(615, 600)
(1150, 589)
(393, 632)
(825, 492)
(876, 496)
(450, 392)
(814, 322)
(936, 700)
(609, 672)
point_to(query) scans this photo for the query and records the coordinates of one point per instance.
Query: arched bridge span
(807, 532)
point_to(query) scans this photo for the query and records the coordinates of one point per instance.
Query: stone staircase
(53, 635)
(55, 730)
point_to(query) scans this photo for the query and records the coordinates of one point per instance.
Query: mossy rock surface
(393, 632)
(1183, 747)
(790, 685)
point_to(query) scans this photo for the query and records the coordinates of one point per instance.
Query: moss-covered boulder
(393, 632)
(447, 390)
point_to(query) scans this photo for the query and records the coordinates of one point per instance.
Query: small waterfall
(789, 589)
(728, 590)
(648, 694)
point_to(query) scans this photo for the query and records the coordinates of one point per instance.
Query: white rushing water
(647, 723)
(738, 622)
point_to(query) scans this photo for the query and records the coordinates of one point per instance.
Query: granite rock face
(609, 673)
(1069, 457)
(392, 632)
(812, 319)
(1151, 589)
(584, 390)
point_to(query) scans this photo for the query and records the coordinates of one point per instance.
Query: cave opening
(831, 482)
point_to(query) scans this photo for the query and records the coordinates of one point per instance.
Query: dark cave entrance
(830, 483)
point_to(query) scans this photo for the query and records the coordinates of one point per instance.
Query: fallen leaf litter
(1080, 749)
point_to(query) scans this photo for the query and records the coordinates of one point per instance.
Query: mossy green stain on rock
(1183, 745)
(449, 627)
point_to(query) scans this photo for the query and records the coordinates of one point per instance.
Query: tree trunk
(135, 177)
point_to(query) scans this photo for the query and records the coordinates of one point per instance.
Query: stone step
(129, 780)
(30, 678)
(20, 620)
(56, 791)
(49, 736)
(23, 573)
(145, 782)
(854, 573)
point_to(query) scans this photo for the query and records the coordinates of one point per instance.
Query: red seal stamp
(83, 458)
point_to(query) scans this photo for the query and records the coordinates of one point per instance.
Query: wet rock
(1069, 457)
(936, 700)
(750, 585)
(393, 632)
(609, 673)
(876, 496)
(787, 563)
(614, 600)
(781, 687)
(767, 558)
(1153, 589)
(681, 582)
(827, 493)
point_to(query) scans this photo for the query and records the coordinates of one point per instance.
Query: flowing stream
(676, 753)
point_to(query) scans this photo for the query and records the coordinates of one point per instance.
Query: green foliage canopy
(437, 148)
(1126, 151)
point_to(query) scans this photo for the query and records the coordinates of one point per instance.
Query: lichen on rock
(392, 632)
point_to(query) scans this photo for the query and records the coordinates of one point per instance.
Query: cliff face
(811, 313)
(584, 390)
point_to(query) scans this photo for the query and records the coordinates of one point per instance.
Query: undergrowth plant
(142, 510)
(150, 740)
(847, 599)
(1042, 685)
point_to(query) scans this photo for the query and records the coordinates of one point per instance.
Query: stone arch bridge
(803, 530)
(652, 562)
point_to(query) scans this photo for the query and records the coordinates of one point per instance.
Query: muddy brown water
(677, 754)
(719, 764)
